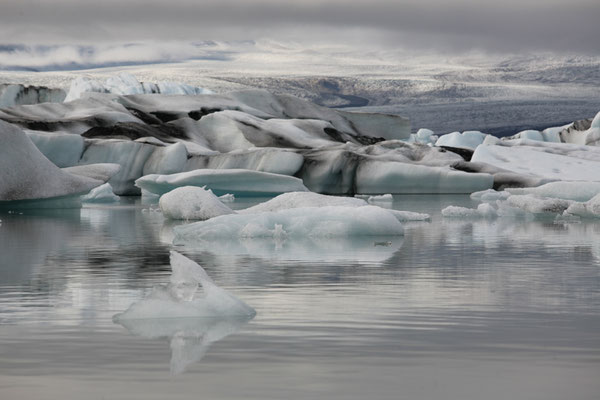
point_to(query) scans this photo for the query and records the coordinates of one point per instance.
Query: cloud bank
(432, 25)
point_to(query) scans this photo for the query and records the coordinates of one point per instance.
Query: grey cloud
(510, 26)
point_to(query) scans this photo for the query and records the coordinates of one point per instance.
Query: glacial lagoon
(454, 309)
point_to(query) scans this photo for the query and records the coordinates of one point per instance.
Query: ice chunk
(406, 216)
(180, 298)
(328, 221)
(192, 202)
(166, 160)
(384, 198)
(536, 205)
(302, 199)
(101, 194)
(566, 190)
(227, 198)
(490, 195)
(240, 182)
(588, 209)
(466, 140)
(483, 210)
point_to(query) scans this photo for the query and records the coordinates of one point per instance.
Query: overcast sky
(434, 25)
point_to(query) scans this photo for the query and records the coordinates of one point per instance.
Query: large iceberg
(180, 298)
(25, 174)
(239, 182)
(328, 221)
(556, 161)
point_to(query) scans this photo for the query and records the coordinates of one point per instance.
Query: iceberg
(377, 177)
(239, 182)
(329, 221)
(588, 209)
(537, 205)
(16, 94)
(556, 161)
(466, 140)
(101, 194)
(567, 190)
(384, 198)
(484, 210)
(180, 298)
(291, 200)
(192, 203)
(36, 178)
(490, 195)
(62, 148)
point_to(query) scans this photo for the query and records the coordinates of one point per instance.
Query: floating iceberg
(330, 221)
(537, 205)
(303, 199)
(180, 298)
(556, 161)
(490, 195)
(466, 140)
(395, 177)
(483, 210)
(239, 182)
(192, 202)
(588, 209)
(26, 175)
(101, 194)
(566, 190)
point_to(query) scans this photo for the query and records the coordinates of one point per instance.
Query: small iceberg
(192, 203)
(180, 298)
(239, 182)
(101, 194)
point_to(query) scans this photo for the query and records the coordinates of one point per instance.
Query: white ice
(567, 190)
(303, 199)
(25, 174)
(557, 161)
(490, 195)
(331, 221)
(588, 209)
(466, 140)
(192, 203)
(180, 298)
(239, 182)
(101, 194)
(127, 84)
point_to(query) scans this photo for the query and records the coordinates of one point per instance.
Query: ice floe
(466, 140)
(566, 190)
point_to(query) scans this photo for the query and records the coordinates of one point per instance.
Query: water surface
(456, 309)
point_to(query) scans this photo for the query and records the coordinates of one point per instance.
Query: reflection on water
(455, 309)
(190, 337)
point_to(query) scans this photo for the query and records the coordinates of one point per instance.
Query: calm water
(503, 309)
